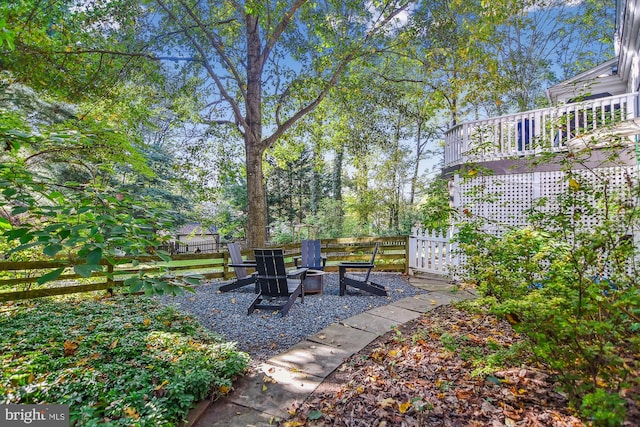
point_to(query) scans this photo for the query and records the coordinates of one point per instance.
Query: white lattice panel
(616, 181)
(503, 199)
(499, 199)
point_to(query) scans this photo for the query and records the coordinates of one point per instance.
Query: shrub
(569, 284)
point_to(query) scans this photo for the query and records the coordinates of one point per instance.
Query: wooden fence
(18, 280)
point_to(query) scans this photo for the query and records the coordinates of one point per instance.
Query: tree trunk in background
(394, 214)
(416, 167)
(314, 186)
(336, 185)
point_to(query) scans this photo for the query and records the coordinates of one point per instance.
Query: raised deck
(538, 131)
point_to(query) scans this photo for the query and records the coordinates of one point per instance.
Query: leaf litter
(437, 371)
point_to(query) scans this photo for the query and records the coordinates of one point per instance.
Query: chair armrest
(297, 273)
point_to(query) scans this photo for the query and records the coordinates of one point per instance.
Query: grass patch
(122, 361)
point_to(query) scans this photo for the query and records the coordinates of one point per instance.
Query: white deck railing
(430, 252)
(537, 131)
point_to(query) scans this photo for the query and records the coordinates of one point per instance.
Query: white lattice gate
(430, 252)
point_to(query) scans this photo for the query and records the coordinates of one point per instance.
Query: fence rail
(18, 280)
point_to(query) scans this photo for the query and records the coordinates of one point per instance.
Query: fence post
(406, 254)
(225, 267)
(454, 258)
(110, 281)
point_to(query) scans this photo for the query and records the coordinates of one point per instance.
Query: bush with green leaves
(435, 210)
(568, 282)
(116, 361)
(90, 222)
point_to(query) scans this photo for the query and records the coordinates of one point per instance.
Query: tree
(549, 41)
(265, 65)
(436, 209)
(450, 42)
(68, 128)
(288, 177)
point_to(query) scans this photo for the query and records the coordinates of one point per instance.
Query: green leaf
(9, 192)
(164, 256)
(19, 209)
(51, 250)
(85, 270)
(55, 195)
(191, 280)
(17, 233)
(4, 223)
(131, 281)
(18, 133)
(94, 256)
(136, 286)
(26, 237)
(52, 275)
(22, 247)
(493, 379)
(315, 415)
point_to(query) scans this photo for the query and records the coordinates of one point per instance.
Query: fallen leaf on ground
(70, 347)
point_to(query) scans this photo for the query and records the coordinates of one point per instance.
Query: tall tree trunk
(394, 217)
(254, 146)
(314, 186)
(336, 188)
(257, 223)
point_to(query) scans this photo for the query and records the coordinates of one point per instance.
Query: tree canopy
(225, 100)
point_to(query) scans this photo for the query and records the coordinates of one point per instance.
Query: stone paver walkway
(263, 397)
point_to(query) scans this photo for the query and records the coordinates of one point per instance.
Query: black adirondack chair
(311, 256)
(278, 289)
(240, 268)
(362, 283)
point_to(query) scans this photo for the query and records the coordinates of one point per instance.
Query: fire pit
(313, 282)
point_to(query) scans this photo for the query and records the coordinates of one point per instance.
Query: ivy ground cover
(120, 361)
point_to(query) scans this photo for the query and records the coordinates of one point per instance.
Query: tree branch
(280, 28)
(282, 127)
(218, 46)
(212, 73)
(129, 54)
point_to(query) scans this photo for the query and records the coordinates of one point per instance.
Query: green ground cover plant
(118, 361)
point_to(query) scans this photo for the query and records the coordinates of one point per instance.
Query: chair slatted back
(310, 255)
(272, 272)
(236, 258)
(373, 258)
